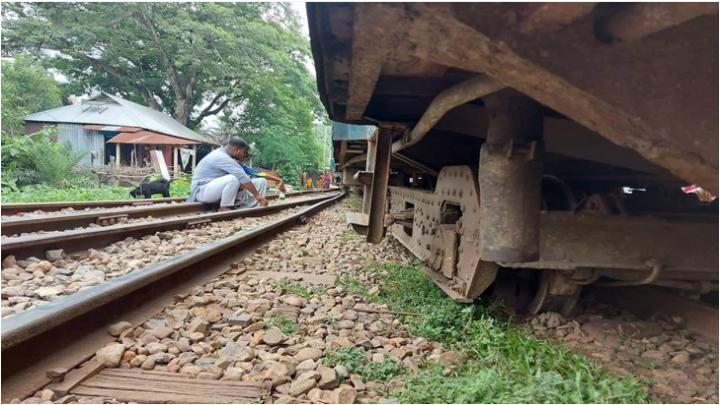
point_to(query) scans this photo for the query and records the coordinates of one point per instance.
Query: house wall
(83, 140)
(32, 127)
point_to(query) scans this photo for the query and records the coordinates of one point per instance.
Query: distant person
(326, 180)
(222, 177)
(303, 177)
(308, 183)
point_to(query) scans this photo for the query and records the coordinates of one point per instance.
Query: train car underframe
(499, 228)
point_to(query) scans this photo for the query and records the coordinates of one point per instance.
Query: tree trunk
(182, 111)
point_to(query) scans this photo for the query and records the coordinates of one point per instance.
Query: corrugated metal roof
(109, 110)
(149, 138)
(95, 127)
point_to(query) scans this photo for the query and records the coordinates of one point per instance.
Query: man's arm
(231, 166)
(280, 181)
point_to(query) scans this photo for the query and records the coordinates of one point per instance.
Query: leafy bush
(38, 159)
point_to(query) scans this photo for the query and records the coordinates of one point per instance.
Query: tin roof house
(117, 131)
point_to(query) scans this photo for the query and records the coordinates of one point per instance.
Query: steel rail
(17, 208)
(67, 331)
(74, 220)
(74, 240)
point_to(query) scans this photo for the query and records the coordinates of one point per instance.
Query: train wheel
(528, 291)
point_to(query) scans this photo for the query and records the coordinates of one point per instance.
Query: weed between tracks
(285, 324)
(507, 364)
(357, 361)
(300, 290)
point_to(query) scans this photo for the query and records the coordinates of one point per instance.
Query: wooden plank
(134, 385)
(305, 277)
(147, 397)
(76, 376)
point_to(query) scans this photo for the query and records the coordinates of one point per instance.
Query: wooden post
(194, 157)
(369, 166)
(117, 154)
(379, 187)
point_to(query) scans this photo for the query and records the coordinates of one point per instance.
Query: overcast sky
(299, 7)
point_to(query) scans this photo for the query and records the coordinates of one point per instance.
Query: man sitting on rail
(222, 176)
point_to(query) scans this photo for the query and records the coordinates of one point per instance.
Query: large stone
(117, 328)
(656, 355)
(345, 394)
(681, 358)
(274, 336)
(48, 291)
(155, 347)
(110, 355)
(299, 387)
(308, 353)
(452, 358)
(328, 378)
(295, 301)
(199, 325)
(162, 332)
(242, 319)
(54, 255)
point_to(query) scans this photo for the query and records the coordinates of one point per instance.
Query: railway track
(67, 331)
(78, 239)
(17, 208)
(103, 216)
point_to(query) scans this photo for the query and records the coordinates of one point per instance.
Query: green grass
(507, 363)
(350, 235)
(356, 361)
(353, 285)
(43, 193)
(300, 290)
(286, 325)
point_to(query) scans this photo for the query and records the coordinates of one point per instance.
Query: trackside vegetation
(506, 363)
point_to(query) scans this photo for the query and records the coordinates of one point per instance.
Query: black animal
(147, 189)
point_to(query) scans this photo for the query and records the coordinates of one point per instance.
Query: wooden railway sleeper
(111, 219)
(197, 223)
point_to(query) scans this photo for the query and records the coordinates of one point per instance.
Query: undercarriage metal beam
(459, 94)
(584, 241)
(510, 178)
(379, 185)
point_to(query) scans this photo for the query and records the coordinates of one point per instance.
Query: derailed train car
(532, 149)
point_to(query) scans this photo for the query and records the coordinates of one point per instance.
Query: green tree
(192, 60)
(26, 89)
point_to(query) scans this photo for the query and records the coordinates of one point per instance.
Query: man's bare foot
(223, 209)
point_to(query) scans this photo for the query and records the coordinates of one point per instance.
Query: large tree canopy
(192, 60)
(25, 89)
(244, 62)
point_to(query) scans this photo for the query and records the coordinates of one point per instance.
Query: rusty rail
(74, 240)
(16, 208)
(74, 220)
(67, 331)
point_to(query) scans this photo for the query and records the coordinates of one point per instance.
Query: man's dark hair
(238, 142)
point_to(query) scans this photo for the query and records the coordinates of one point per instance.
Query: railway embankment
(317, 315)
